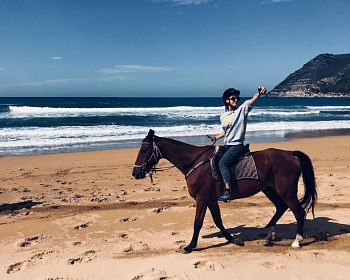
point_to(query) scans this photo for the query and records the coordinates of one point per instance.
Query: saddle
(243, 168)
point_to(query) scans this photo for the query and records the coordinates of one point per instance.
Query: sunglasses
(233, 98)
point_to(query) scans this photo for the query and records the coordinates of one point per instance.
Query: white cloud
(118, 72)
(185, 2)
(132, 69)
(55, 57)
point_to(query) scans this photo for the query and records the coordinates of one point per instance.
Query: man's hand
(262, 90)
(212, 138)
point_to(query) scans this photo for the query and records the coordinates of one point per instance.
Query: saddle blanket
(244, 168)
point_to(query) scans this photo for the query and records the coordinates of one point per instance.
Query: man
(234, 124)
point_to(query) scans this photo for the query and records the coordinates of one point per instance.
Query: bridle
(156, 154)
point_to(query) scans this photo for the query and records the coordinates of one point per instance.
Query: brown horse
(278, 171)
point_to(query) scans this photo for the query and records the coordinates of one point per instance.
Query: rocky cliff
(327, 75)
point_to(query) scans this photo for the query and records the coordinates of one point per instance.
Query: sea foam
(30, 137)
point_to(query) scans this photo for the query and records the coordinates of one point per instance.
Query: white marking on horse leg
(296, 243)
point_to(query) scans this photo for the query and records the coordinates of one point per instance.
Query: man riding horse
(234, 124)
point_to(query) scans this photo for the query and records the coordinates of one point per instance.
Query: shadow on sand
(10, 207)
(316, 230)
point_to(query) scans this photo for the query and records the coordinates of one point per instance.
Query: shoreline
(251, 138)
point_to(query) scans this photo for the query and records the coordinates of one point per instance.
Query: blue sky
(162, 47)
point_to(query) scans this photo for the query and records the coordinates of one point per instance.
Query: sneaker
(226, 196)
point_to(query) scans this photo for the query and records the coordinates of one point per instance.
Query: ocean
(52, 125)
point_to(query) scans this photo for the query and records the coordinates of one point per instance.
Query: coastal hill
(327, 75)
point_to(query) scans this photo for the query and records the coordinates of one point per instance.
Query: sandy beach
(83, 216)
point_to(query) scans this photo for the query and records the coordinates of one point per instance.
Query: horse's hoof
(269, 241)
(295, 245)
(185, 250)
(237, 241)
(298, 239)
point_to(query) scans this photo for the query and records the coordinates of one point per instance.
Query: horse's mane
(176, 142)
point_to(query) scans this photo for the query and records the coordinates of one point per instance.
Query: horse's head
(148, 156)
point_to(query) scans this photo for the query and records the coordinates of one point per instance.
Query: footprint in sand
(81, 226)
(139, 246)
(271, 265)
(24, 264)
(123, 235)
(21, 189)
(29, 241)
(39, 256)
(267, 264)
(152, 189)
(210, 227)
(208, 265)
(83, 258)
(15, 267)
(127, 219)
(151, 274)
(161, 209)
(317, 254)
(99, 199)
(199, 264)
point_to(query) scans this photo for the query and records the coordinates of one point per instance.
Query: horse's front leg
(201, 208)
(215, 212)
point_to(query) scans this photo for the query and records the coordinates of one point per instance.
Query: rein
(193, 160)
(157, 155)
(196, 166)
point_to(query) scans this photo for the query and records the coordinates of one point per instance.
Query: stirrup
(226, 196)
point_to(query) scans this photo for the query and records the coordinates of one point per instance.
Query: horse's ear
(151, 134)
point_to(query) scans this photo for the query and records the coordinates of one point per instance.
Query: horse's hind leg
(299, 214)
(215, 212)
(281, 207)
(279, 203)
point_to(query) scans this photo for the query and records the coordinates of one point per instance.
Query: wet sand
(83, 216)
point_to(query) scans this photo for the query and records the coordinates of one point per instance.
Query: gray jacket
(234, 123)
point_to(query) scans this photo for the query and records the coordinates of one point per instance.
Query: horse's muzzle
(138, 173)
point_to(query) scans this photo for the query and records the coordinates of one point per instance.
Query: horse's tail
(310, 195)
